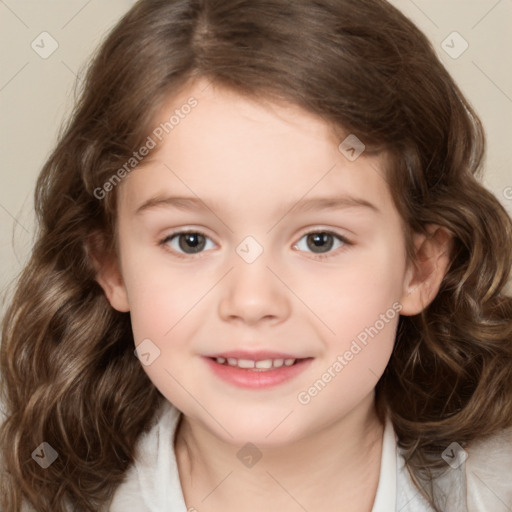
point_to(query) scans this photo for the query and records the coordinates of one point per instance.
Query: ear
(425, 274)
(108, 274)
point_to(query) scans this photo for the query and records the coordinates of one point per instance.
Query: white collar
(385, 499)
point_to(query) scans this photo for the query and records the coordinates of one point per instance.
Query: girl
(276, 205)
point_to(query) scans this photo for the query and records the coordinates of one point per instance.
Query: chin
(263, 430)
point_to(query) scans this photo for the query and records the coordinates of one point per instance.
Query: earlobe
(111, 281)
(425, 274)
(109, 277)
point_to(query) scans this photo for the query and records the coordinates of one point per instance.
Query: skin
(246, 161)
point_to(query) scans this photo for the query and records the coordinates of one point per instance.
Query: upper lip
(259, 355)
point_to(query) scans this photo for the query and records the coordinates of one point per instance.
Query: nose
(252, 294)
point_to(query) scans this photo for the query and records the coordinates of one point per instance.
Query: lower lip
(257, 379)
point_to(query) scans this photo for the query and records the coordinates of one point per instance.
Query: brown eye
(321, 242)
(194, 242)
(191, 242)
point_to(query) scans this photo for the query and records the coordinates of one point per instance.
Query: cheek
(355, 357)
(165, 310)
(161, 291)
(353, 295)
(160, 301)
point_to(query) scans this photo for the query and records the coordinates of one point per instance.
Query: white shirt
(483, 483)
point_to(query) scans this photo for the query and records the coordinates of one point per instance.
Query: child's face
(244, 167)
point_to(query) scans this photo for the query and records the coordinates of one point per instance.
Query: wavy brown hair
(69, 374)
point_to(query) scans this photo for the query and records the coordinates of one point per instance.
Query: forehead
(233, 149)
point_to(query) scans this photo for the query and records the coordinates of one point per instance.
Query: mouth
(257, 371)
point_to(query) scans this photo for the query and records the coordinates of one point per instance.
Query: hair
(70, 377)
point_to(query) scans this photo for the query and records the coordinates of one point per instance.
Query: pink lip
(251, 378)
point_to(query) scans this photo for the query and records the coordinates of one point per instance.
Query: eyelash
(318, 256)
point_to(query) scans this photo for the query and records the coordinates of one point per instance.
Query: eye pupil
(319, 239)
(195, 241)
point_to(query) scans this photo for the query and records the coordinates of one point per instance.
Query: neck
(334, 468)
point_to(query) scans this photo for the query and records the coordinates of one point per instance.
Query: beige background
(36, 93)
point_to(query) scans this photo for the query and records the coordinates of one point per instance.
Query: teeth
(245, 363)
(264, 364)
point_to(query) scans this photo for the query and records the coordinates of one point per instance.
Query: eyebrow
(301, 205)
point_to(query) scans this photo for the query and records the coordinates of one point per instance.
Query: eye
(187, 242)
(322, 242)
